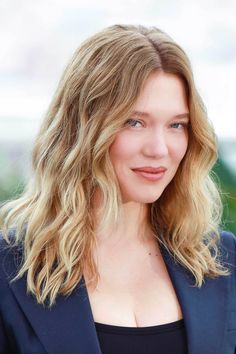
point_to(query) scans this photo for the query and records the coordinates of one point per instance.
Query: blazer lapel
(68, 327)
(204, 309)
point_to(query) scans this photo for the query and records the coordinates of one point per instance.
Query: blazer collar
(71, 321)
(67, 327)
(204, 309)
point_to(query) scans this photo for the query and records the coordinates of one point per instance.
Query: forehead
(162, 91)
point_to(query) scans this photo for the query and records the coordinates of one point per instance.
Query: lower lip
(150, 176)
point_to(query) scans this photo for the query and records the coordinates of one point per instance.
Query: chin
(142, 199)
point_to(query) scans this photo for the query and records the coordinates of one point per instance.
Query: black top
(161, 339)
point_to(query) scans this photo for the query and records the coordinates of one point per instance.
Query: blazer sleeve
(5, 295)
(16, 332)
(229, 250)
(4, 347)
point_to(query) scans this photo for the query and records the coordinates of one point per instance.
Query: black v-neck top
(167, 338)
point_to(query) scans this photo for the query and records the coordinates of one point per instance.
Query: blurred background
(38, 38)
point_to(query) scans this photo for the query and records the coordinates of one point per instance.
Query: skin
(157, 139)
(134, 287)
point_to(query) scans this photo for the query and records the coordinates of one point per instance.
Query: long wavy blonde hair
(53, 218)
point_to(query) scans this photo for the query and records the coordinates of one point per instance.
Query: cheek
(179, 149)
(122, 149)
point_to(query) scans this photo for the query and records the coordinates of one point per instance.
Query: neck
(132, 227)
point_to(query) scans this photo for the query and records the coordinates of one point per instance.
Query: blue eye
(133, 122)
(179, 125)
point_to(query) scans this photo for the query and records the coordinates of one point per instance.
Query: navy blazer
(68, 327)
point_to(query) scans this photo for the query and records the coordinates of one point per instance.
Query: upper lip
(150, 169)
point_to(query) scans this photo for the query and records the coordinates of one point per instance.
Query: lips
(152, 174)
(149, 169)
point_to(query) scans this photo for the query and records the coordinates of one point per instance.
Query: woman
(114, 247)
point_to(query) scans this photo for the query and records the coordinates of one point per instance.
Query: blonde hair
(70, 159)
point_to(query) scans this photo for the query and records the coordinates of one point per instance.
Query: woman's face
(154, 136)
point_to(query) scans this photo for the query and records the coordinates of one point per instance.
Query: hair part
(70, 160)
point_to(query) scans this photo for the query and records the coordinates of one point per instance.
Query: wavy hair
(53, 217)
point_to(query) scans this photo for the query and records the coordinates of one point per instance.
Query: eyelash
(184, 125)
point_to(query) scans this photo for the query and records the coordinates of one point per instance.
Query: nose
(156, 144)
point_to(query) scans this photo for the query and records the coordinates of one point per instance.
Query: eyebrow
(145, 114)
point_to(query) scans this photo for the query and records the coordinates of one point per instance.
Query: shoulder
(227, 237)
(7, 240)
(227, 248)
(10, 255)
(227, 242)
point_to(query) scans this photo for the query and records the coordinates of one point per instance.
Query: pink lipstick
(150, 173)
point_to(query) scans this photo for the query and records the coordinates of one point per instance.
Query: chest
(134, 295)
